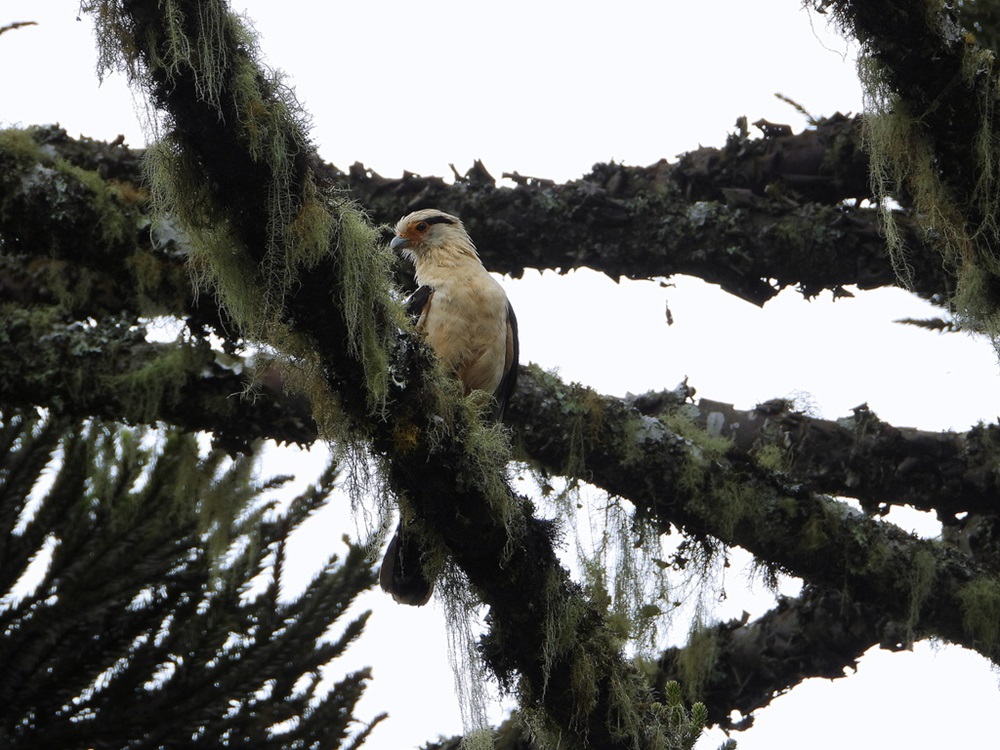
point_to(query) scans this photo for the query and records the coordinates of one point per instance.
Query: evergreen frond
(139, 629)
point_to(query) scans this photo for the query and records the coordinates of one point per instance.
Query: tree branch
(235, 140)
(700, 485)
(754, 216)
(867, 459)
(107, 369)
(821, 633)
(77, 230)
(196, 391)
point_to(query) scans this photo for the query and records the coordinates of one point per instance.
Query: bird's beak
(399, 243)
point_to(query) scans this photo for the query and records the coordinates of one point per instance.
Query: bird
(464, 315)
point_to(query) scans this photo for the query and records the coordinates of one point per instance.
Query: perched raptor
(465, 317)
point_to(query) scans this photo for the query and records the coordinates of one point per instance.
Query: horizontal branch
(694, 481)
(865, 458)
(192, 386)
(747, 217)
(754, 217)
(77, 230)
(107, 369)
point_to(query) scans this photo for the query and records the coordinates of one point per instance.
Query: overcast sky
(548, 89)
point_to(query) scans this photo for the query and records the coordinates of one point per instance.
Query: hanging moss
(304, 223)
(981, 610)
(160, 381)
(697, 659)
(921, 582)
(959, 216)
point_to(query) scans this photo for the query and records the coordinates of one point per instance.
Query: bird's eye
(421, 227)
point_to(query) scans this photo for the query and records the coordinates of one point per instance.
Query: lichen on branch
(300, 269)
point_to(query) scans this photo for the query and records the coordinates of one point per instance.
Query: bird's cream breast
(466, 324)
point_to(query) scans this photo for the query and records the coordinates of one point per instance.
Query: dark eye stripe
(440, 219)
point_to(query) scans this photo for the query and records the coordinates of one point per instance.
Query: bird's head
(423, 232)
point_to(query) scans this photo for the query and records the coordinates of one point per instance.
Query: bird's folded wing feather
(419, 300)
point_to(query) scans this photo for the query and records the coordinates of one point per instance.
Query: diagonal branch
(820, 633)
(109, 370)
(238, 145)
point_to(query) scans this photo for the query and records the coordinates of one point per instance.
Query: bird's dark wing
(402, 574)
(418, 300)
(509, 380)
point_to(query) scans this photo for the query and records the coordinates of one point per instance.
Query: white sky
(548, 89)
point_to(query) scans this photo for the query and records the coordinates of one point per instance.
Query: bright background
(548, 89)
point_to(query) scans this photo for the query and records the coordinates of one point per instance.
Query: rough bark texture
(730, 496)
(749, 216)
(754, 217)
(863, 457)
(821, 633)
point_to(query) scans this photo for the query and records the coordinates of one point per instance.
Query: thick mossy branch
(708, 489)
(736, 215)
(821, 633)
(108, 369)
(433, 448)
(77, 230)
(861, 456)
(235, 165)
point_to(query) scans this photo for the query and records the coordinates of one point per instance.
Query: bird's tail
(402, 574)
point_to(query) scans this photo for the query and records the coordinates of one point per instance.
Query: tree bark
(746, 217)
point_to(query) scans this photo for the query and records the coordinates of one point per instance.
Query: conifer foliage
(141, 598)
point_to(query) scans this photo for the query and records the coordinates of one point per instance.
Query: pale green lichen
(725, 497)
(697, 659)
(923, 571)
(159, 381)
(980, 599)
(965, 230)
(73, 196)
(462, 615)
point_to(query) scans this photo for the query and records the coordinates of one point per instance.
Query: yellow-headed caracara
(465, 317)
